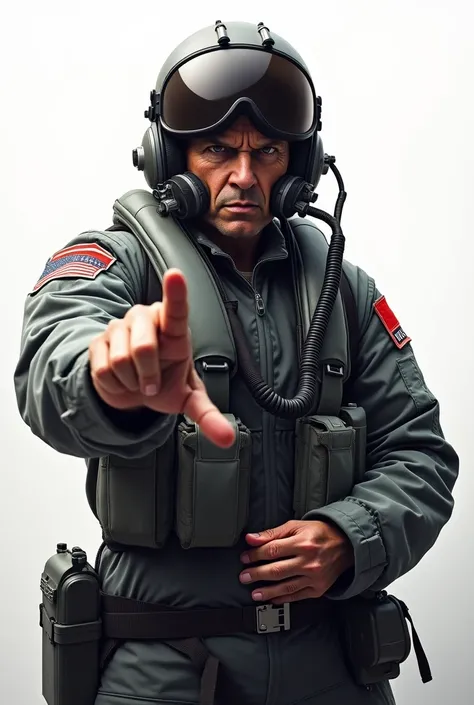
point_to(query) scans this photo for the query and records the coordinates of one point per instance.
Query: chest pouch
(329, 458)
(135, 497)
(212, 496)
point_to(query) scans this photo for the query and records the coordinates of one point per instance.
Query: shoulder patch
(391, 323)
(83, 261)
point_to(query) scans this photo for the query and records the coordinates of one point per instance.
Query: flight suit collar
(272, 246)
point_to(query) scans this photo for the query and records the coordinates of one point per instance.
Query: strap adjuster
(273, 618)
(334, 370)
(215, 366)
(215, 373)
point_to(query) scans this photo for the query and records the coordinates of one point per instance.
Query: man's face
(239, 167)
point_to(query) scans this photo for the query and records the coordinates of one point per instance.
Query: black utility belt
(124, 618)
(374, 629)
(82, 627)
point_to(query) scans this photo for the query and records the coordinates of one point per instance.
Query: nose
(242, 175)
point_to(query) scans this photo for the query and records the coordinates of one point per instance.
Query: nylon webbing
(215, 374)
(423, 665)
(208, 664)
(331, 391)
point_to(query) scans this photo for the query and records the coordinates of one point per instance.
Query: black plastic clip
(334, 370)
(152, 112)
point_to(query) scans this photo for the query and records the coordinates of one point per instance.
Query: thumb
(280, 532)
(202, 411)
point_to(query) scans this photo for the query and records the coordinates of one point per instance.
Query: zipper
(260, 305)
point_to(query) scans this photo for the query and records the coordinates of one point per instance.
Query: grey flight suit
(392, 518)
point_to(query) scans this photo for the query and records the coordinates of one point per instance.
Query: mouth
(241, 206)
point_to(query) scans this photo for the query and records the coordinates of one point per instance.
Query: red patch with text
(391, 323)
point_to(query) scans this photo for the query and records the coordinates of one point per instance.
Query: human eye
(270, 150)
(217, 149)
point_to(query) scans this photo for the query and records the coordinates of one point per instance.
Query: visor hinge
(319, 104)
(222, 36)
(152, 111)
(265, 35)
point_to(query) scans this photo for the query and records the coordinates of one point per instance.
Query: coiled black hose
(303, 402)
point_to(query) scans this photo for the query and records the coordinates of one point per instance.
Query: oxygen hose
(303, 402)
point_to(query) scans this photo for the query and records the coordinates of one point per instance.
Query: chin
(239, 228)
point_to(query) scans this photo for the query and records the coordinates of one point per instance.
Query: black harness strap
(204, 661)
(350, 305)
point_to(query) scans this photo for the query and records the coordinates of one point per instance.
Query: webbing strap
(423, 665)
(214, 371)
(208, 664)
(215, 374)
(332, 384)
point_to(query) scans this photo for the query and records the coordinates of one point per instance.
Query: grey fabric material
(392, 517)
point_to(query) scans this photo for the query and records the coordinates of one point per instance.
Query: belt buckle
(273, 618)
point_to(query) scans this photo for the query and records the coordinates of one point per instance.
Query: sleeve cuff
(110, 429)
(361, 527)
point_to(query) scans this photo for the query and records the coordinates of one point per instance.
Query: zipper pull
(260, 304)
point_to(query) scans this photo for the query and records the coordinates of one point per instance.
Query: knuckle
(313, 568)
(136, 310)
(100, 373)
(276, 572)
(291, 588)
(119, 360)
(114, 325)
(307, 545)
(273, 550)
(144, 349)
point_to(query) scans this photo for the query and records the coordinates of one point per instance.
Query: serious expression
(239, 167)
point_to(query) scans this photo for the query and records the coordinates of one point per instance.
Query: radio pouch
(135, 498)
(72, 629)
(212, 496)
(324, 462)
(376, 638)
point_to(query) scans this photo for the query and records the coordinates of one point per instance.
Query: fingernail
(245, 578)
(255, 536)
(151, 390)
(257, 596)
(244, 558)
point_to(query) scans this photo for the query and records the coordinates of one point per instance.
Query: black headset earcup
(286, 192)
(144, 157)
(159, 156)
(307, 159)
(170, 156)
(191, 194)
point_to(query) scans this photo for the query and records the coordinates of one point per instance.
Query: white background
(397, 81)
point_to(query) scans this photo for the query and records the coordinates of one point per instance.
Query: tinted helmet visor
(205, 93)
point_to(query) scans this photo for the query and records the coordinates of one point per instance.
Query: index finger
(175, 307)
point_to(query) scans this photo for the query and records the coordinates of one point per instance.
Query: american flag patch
(83, 261)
